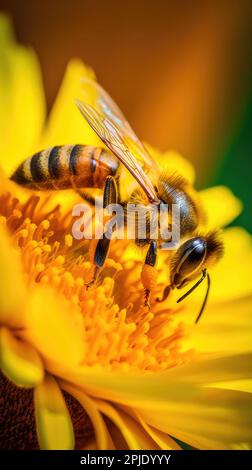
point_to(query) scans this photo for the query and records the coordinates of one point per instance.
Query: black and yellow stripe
(66, 166)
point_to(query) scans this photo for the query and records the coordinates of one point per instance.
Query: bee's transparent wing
(104, 104)
(118, 138)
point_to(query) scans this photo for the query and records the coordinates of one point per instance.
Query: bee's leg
(102, 247)
(149, 273)
(165, 294)
(110, 192)
(99, 258)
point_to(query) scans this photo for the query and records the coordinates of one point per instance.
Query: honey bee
(81, 167)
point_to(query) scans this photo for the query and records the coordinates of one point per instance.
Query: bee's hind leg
(101, 250)
(149, 273)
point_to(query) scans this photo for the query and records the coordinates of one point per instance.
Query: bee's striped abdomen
(66, 166)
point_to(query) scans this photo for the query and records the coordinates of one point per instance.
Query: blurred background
(180, 70)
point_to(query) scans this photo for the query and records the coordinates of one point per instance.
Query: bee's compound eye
(188, 259)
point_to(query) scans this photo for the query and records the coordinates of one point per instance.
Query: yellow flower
(92, 368)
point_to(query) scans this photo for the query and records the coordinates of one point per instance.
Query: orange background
(181, 71)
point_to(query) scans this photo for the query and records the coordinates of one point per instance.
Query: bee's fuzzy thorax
(215, 248)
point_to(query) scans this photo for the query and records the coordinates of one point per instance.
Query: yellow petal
(55, 328)
(178, 402)
(12, 289)
(53, 422)
(164, 441)
(21, 94)
(66, 125)
(208, 370)
(134, 435)
(231, 277)
(225, 328)
(242, 385)
(199, 442)
(170, 391)
(172, 162)
(221, 206)
(19, 361)
(130, 389)
(175, 163)
(215, 414)
(101, 432)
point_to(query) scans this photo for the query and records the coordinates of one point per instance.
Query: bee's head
(193, 257)
(191, 261)
(188, 262)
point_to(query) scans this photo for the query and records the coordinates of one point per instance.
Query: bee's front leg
(99, 254)
(149, 273)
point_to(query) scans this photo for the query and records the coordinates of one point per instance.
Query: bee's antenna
(204, 274)
(205, 299)
(193, 287)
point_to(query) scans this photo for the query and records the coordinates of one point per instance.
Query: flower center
(118, 334)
